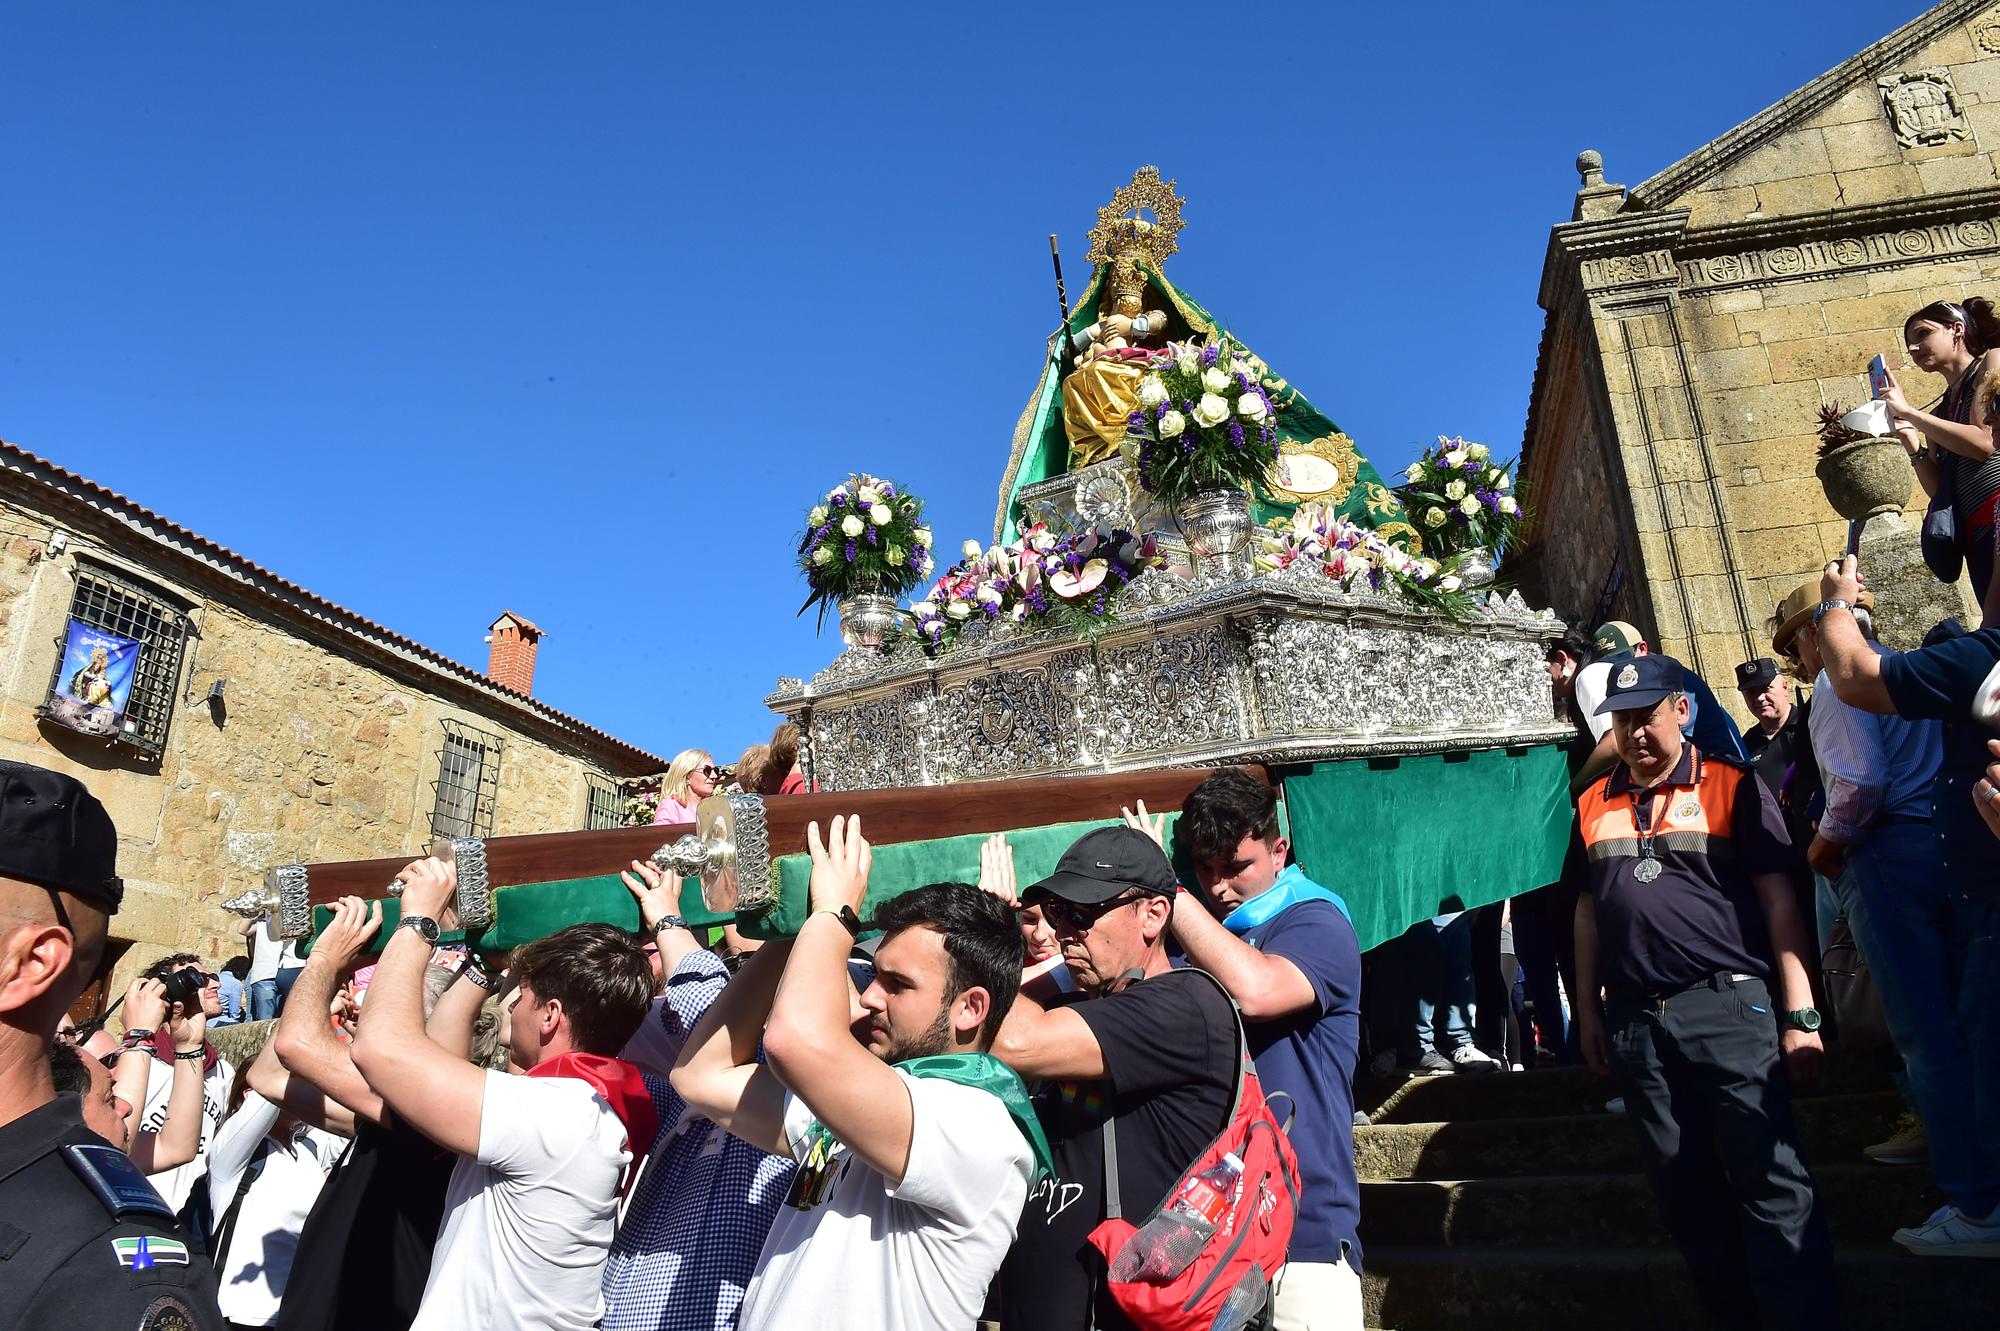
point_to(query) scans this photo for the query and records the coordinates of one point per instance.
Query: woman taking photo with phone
(1951, 446)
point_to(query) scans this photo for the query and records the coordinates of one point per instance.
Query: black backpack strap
(226, 1230)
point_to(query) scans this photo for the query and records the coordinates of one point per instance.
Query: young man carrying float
(543, 1156)
(915, 1145)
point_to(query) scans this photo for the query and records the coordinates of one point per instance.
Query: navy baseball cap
(1756, 674)
(1107, 863)
(55, 834)
(1640, 682)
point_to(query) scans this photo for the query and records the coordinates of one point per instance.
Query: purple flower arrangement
(866, 536)
(1205, 420)
(1459, 498)
(1040, 578)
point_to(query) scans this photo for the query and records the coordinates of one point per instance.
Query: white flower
(1505, 482)
(958, 609)
(1019, 612)
(923, 537)
(1250, 407)
(1415, 472)
(1172, 424)
(924, 571)
(823, 554)
(837, 492)
(1152, 392)
(970, 550)
(1508, 506)
(1215, 379)
(1211, 410)
(1449, 583)
(897, 554)
(1455, 458)
(852, 524)
(1476, 450)
(1070, 585)
(1187, 360)
(989, 594)
(1454, 490)
(879, 514)
(925, 609)
(1469, 505)
(870, 495)
(817, 516)
(1434, 517)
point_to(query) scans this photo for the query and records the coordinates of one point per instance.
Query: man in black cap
(1688, 924)
(84, 1239)
(1767, 693)
(1152, 1050)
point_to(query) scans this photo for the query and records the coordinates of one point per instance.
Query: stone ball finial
(1590, 165)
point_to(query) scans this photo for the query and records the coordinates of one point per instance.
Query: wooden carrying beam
(887, 816)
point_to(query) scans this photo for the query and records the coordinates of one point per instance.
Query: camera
(184, 986)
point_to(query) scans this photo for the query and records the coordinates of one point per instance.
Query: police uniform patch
(1628, 676)
(1687, 810)
(140, 1251)
(168, 1313)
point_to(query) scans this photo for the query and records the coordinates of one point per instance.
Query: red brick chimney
(510, 660)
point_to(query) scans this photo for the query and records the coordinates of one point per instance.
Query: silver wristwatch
(425, 927)
(1834, 603)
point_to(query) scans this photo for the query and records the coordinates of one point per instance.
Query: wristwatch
(666, 922)
(1804, 1019)
(1834, 604)
(848, 919)
(427, 928)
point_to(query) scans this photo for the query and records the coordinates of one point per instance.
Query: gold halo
(1115, 231)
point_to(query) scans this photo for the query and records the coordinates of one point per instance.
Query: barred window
(110, 604)
(467, 783)
(606, 807)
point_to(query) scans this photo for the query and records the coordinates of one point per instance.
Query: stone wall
(1697, 323)
(323, 753)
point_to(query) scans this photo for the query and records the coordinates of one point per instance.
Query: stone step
(1645, 1289)
(1404, 1097)
(1865, 1204)
(1832, 1128)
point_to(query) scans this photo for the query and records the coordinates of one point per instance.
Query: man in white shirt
(915, 1145)
(533, 1201)
(217, 1075)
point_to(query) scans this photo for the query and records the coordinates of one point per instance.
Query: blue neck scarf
(1291, 888)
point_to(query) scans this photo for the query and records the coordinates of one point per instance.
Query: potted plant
(1204, 433)
(863, 547)
(1864, 471)
(1463, 506)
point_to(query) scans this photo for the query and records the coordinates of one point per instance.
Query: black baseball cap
(1639, 682)
(1107, 863)
(1756, 674)
(55, 834)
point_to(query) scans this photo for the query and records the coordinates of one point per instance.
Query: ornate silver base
(868, 620)
(1220, 533)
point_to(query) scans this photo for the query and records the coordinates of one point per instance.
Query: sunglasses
(707, 770)
(1069, 915)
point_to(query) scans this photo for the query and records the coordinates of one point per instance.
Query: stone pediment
(1872, 128)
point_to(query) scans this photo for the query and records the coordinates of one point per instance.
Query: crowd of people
(1030, 1104)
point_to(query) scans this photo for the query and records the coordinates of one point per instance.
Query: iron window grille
(468, 782)
(606, 807)
(106, 601)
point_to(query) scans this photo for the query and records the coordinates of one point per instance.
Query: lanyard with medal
(1648, 867)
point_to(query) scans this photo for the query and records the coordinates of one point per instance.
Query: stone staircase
(1512, 1200)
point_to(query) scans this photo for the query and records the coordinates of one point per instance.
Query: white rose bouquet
(865, 536)
(1459, 498)
(1205, 420)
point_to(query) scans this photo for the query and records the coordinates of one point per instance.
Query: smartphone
(1878, 376)
(1854, 537)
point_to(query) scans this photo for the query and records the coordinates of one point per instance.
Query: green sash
(979, 1071)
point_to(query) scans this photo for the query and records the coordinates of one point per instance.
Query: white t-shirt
(528, 1221)
(1592, 683)
(916, 1257)
(251, 1276)
(176, 1183)
(266, 948)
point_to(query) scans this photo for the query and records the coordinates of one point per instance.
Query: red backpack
(1174, 1272)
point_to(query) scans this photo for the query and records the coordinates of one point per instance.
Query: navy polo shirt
(1939, 684)
(1310, 1056)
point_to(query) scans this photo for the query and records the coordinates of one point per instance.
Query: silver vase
(1219, 532)
(868, 620)
(1476, 567)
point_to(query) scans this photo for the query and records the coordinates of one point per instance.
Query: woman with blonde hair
(689, 781)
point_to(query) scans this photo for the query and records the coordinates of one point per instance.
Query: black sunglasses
(1069, 915)
(707, 770)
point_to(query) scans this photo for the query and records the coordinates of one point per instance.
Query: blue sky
(450, 308)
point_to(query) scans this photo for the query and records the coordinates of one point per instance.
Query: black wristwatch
(426, 927)
(848, 919)
(666, 922)
(1806, 1019)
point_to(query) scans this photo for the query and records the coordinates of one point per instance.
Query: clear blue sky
(442, 309)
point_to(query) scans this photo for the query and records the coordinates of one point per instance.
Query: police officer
(85, 1241)
(1688, 925)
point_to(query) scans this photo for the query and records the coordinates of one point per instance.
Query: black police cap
(55, 834)
(1640, 681)
(1756, 674)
